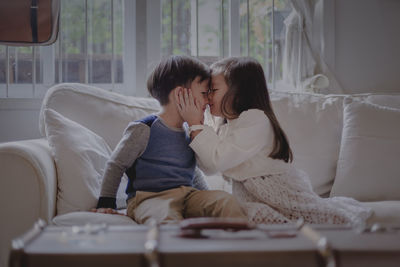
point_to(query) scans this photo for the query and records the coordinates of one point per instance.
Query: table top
(131, 239)
(276, 245)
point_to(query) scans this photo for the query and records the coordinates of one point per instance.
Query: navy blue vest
(168, 161)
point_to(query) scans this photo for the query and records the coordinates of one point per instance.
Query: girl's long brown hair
(248, 90)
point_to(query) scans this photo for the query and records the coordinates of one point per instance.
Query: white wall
(367, 45)
(19, 119)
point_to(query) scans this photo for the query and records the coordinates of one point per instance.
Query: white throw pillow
(369, 161)
(80, 157)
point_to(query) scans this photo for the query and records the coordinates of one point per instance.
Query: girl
(252, 151)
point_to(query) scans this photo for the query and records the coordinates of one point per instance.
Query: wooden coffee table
(99, 245)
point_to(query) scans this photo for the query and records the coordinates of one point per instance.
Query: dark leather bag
(29, 22)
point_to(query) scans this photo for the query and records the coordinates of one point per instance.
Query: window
(214, 29)
(89, 49)
(91, 42)
(114, 44)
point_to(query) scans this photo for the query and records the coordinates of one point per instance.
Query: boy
(155, 154)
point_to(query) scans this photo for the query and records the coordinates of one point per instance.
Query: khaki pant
(176, 204)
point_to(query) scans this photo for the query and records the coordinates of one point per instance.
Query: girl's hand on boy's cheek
(189, 108)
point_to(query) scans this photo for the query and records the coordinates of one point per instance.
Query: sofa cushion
(313, 124)
(368, 166)
(84, 218)
(103, 112)
(80, 156)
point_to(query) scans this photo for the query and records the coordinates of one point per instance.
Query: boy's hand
(189, 108)
(107, 211)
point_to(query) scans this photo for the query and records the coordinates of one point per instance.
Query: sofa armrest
(28, 187)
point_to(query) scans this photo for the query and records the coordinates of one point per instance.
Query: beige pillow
(80, 157)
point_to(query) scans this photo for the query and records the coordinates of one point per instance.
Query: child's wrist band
(196, 127)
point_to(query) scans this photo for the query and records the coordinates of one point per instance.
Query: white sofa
(333, 138)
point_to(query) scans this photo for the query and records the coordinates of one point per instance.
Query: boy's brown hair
(176, 70)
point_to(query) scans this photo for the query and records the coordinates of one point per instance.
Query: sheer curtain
(304, 67)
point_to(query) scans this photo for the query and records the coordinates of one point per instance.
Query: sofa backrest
(313, 124)
(105, 113)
